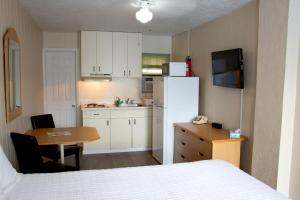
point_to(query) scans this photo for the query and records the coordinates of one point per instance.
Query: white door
(141, 132)
(60, 86)
(88, 52)
(121, 133)
(158, 133)
(104, 52)
(103, 127)
(119, 54)
(134, 55)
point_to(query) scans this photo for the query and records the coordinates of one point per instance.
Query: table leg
(62, 154)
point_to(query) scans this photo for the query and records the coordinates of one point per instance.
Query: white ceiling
(170, 16)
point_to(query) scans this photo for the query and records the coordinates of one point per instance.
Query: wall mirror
(12, 74)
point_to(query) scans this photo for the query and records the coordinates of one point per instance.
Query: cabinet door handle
(183, 130)
(94, 69)
(107, 122)
(96, 114)
(182, 156)
(183, 143)
(129, 121)
(99, 68)
(124, 73)
(200, 154)
(129, 73)
(134, 122)
(201, 139)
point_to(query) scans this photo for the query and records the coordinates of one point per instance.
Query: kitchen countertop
(112, 106)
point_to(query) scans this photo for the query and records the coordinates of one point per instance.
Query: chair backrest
(42, 121)
(28, 153)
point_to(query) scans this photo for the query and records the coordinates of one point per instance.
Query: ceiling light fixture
(144, 15)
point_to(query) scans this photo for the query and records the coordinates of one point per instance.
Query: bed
(212, 179)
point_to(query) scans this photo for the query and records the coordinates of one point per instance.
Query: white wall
(106, 92)
(157, 44)
(295, 164)
(12, 15)
(289, 99)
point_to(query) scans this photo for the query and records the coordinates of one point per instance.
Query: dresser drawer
(181, 148)
(200, 147)
(188, 152)
(104, 113)
(179, 158)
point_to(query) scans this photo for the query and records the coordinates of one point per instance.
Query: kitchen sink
(130, 105)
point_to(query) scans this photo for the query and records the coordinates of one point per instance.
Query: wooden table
(72, 136)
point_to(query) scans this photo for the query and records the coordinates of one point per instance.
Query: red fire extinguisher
(188, 66)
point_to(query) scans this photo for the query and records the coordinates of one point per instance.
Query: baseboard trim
(104, 151)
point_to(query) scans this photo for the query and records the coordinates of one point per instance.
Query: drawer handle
(183, 130)
(200, 154)
(183, 143)
(96, 114)
(182, 156)
(202, 139)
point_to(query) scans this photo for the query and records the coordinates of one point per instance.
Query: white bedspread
(197, 180)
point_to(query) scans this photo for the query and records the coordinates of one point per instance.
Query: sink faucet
(130, 101)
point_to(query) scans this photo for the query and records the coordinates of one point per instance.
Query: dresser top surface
(207, 132)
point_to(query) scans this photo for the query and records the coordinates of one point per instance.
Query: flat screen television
(228, 68)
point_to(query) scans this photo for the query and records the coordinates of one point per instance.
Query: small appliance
(174, 69)
(216, 125)
(147, 84)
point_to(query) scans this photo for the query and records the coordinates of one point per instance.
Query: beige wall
(157, 44)
(13, 15)
(235, 30)
(61, 40)
(269, 92)
(180, 46)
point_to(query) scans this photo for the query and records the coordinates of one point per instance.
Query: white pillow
(8, 175)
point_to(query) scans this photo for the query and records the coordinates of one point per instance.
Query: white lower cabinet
(121, 133)
(103, 127)
(120, 130)
(142, 132)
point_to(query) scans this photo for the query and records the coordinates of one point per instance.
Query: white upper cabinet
(119, 54)
(134, 55)
(96, 53)
(104, 52)
(88, 52)
(115, 53)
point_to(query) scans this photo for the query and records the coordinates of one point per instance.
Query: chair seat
(53, 152)
(53, 167)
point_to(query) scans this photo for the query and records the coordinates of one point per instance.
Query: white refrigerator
(175, 99)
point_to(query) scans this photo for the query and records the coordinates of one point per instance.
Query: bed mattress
(197, 180)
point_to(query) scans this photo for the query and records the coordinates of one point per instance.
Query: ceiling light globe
(144, 15)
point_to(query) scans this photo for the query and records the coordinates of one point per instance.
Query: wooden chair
(30, 158)
(53, 151)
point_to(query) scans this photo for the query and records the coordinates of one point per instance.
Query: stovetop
(95, 105)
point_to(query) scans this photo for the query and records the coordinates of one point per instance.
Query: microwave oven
(174, 69)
